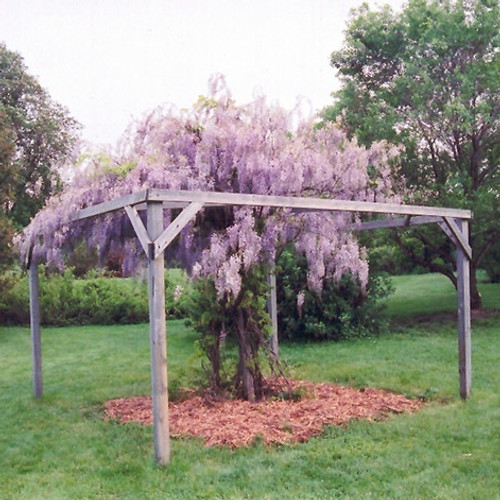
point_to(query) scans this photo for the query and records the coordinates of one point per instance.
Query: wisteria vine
(220, 146)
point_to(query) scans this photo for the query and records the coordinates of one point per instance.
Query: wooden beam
(464, 317)
(158, 339)
(176, 226)
(111, 206)
(272, 307)
(399, 222)
(36, 343)
(446, 230)
(461, 238)
(166, 205)
(179, 198)
(212, 197)
(139, 228)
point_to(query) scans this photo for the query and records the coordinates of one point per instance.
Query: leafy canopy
(427, 78)
(36, 137)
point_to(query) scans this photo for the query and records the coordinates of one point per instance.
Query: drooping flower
(219, 146)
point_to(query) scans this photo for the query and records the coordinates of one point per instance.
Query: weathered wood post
(464, 318)
(272, 307)
(158, 336)
(36, 343)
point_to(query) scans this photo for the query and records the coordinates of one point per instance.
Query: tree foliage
(220, 146)
(36, 137)
(427, 78)
(7, 175)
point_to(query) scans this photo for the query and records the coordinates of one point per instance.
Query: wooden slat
(400, 222)
(166, 204)
(446, 230)
(111, 206)
(158, 340)
(179, 198)
(272, 307)
(176, 226)
(139, 228)
(464, 315)
(461, 238)
(36, 343)
(305, 203)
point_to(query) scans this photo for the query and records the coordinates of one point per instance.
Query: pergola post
(36, 343)
(158, 336)
(464, 317)
(272, 307)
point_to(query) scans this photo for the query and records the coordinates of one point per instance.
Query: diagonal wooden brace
(140, 229)
(458, 237)
(447, 231)
(175, 227)
(153, 249)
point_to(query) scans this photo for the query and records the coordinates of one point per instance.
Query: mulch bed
(236, 423)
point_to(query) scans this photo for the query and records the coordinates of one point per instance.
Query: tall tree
(36, 137)
(427, 78)
(219, 146)
(7, 177)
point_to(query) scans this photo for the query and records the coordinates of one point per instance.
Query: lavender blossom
(219, 146)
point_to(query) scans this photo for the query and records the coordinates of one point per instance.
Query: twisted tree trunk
(245, 373)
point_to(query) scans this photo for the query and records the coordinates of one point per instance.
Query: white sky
(110, 61)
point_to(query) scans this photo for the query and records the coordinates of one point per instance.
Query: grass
(418, 296)
(61, 447)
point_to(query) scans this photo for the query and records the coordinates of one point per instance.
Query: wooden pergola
(154, 239)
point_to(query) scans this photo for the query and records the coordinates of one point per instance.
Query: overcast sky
(110, 61)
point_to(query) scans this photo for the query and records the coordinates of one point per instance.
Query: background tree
(219, 146)
(427, 78)
(36, 137)
(7, 176)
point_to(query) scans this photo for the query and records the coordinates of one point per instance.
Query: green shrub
(178, 288)
(109, 301)
(341, 310)
(96, 299)
(14, 307)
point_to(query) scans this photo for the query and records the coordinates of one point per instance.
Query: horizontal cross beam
(400, 222)
(326, 204)
(111, 206)
(181, 198)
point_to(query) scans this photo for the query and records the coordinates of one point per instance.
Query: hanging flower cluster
(220, 146)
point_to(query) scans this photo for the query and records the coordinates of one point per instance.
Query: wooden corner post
(158, 335)
(464, 315)
(36, 343)
(272, 307)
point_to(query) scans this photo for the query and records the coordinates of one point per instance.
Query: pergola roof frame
(154, 239)
(180, 198)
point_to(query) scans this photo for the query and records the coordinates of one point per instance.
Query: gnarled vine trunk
(248, 377)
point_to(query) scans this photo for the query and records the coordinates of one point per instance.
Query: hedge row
(65, 300)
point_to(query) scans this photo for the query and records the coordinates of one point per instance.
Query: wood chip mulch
(236, 423)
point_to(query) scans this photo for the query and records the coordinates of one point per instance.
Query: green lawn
(61, 447)
(418, 296)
